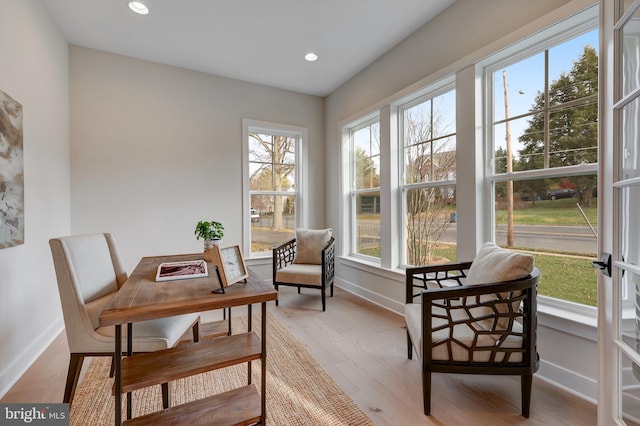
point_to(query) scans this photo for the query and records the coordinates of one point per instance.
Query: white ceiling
(260, 41)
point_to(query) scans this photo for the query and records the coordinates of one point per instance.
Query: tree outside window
(545, 125)
(429, 147)
(272, 179)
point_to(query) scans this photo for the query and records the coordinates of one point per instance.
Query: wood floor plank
(363, 347)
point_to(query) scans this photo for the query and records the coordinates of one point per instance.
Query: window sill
(372, 268)
(568, 317)
(564, 316)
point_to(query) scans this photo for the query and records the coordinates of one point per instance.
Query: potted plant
(211, 232)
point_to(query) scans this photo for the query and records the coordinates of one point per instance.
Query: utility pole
(509, 162)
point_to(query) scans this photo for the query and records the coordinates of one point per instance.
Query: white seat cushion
(153, 335)
(300, 274)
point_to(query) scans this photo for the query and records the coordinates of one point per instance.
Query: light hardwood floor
(363, 347)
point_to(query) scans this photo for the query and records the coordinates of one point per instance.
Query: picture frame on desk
(230, 264)
(181, 270)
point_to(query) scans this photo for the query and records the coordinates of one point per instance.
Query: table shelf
(240, 406)
(210, 330)
(142, 298)
(153, 368)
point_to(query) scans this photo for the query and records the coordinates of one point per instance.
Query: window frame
(553, 35)
(301, 136)
(427, 93)
(352, 191)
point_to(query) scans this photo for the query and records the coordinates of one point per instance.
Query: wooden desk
(142, 298)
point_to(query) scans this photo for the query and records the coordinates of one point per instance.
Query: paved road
(576, 239)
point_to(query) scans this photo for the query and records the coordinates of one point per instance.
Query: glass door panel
(630, 384)
(626, 208)
(630, 155)
(630, 51)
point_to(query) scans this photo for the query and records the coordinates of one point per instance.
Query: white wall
(34, 72)
(451, 44)
(156, 148)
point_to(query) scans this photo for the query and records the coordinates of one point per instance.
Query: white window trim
(555, 313)
(349, 239)
(429, 92)
(301, 134)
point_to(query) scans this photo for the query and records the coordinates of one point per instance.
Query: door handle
(604, 264)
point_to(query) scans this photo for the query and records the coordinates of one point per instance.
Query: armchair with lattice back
(475, 317)
(306, 261)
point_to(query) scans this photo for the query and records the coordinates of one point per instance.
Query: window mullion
(546, 110)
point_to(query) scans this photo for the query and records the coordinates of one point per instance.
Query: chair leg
(324, 300)
(276, 287)
(75, 365)
(112, 369)
(298, 290)
(331, 289)
(166, 403)
(526, 382)
(426, 391)
(409, 346)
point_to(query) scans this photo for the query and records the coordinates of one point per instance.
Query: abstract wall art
(11, 173)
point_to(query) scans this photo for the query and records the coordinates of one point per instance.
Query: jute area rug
(299, 391)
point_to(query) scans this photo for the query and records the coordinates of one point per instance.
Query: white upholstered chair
(475, 317)
(306, 261)
(89, 273)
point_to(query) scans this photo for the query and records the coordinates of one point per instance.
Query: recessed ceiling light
(138, 7)
(311, 57)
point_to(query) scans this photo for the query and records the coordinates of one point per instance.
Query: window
(364, 143)
(543, 147)
(428, 186)
(273, 182)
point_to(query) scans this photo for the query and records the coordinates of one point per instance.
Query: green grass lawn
(568, 278)
(547, 212)
(564, 277)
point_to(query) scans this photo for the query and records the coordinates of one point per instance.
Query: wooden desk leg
(117, 358)
(249, 329)
(264, 364)
(129, 353)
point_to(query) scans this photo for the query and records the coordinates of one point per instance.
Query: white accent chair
(306, 261)
(475, 317)
(89, 273)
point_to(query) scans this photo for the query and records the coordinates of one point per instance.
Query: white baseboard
(371, 296)
(581, 386)
(23, 360)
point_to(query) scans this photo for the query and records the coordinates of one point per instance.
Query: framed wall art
(11, 173)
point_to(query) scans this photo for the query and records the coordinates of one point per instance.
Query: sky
(525, 80)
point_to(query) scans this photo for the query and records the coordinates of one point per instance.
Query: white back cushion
(91, 263)
(309, 245)
(494, 264)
